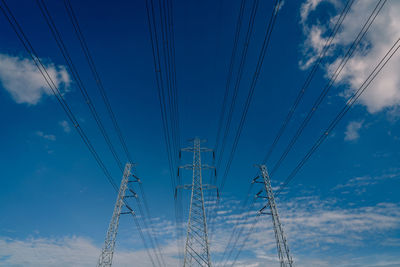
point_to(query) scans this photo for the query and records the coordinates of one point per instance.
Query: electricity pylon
(107, 252)
(281, 243)
(197, 252)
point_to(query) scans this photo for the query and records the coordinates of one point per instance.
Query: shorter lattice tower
(107, 252)
(197, 252)
(281, 243)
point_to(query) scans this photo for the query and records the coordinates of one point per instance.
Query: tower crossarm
(192, 166)
(202, 149)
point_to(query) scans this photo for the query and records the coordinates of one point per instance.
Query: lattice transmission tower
(197, 251)
(107, 252)
(285, 259)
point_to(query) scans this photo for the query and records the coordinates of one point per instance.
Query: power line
(305, 86)
(331, 82)
(349, 103)
(166, 19)
(345, 109)
(95, 73)
(153, 243)
(245, 240)
(169, 63)
(55, 90)
(359, 37)
(253, 84)
(226, 94)
(243, 58)
(237, 83)
(168, 121)
(107, 252)
(234, 238)
(143, 239)
(96, 76)
(159, 81)
(230, 71)
(310, 76)
(173, 64)
(75, 74)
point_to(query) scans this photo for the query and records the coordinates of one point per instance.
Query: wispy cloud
(360, 183)
(65, 252)
(65, 126)
(50, 137)
(385, 90)
(352, 130)
(310, 223)
(20, 77)
(307, 7)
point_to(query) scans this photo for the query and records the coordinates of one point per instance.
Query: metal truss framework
(281, 243)
(107, 252)
(197, 252)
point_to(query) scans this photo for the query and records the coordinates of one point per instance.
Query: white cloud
(66, 252)
(352, 130)
(314, 41)
(307, 7)
(384, 92)
(21, 78)
(367, 180)
(50, 137)
(65, 125)
(34, 252)
(311, 224)
(360, 183)
(311, 5)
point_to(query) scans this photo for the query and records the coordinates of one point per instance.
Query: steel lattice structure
(281, 243)
(107, 252)
(197, 252)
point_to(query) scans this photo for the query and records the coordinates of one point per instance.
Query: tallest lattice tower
(197, 251)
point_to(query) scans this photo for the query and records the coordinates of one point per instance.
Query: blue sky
(343, 207)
